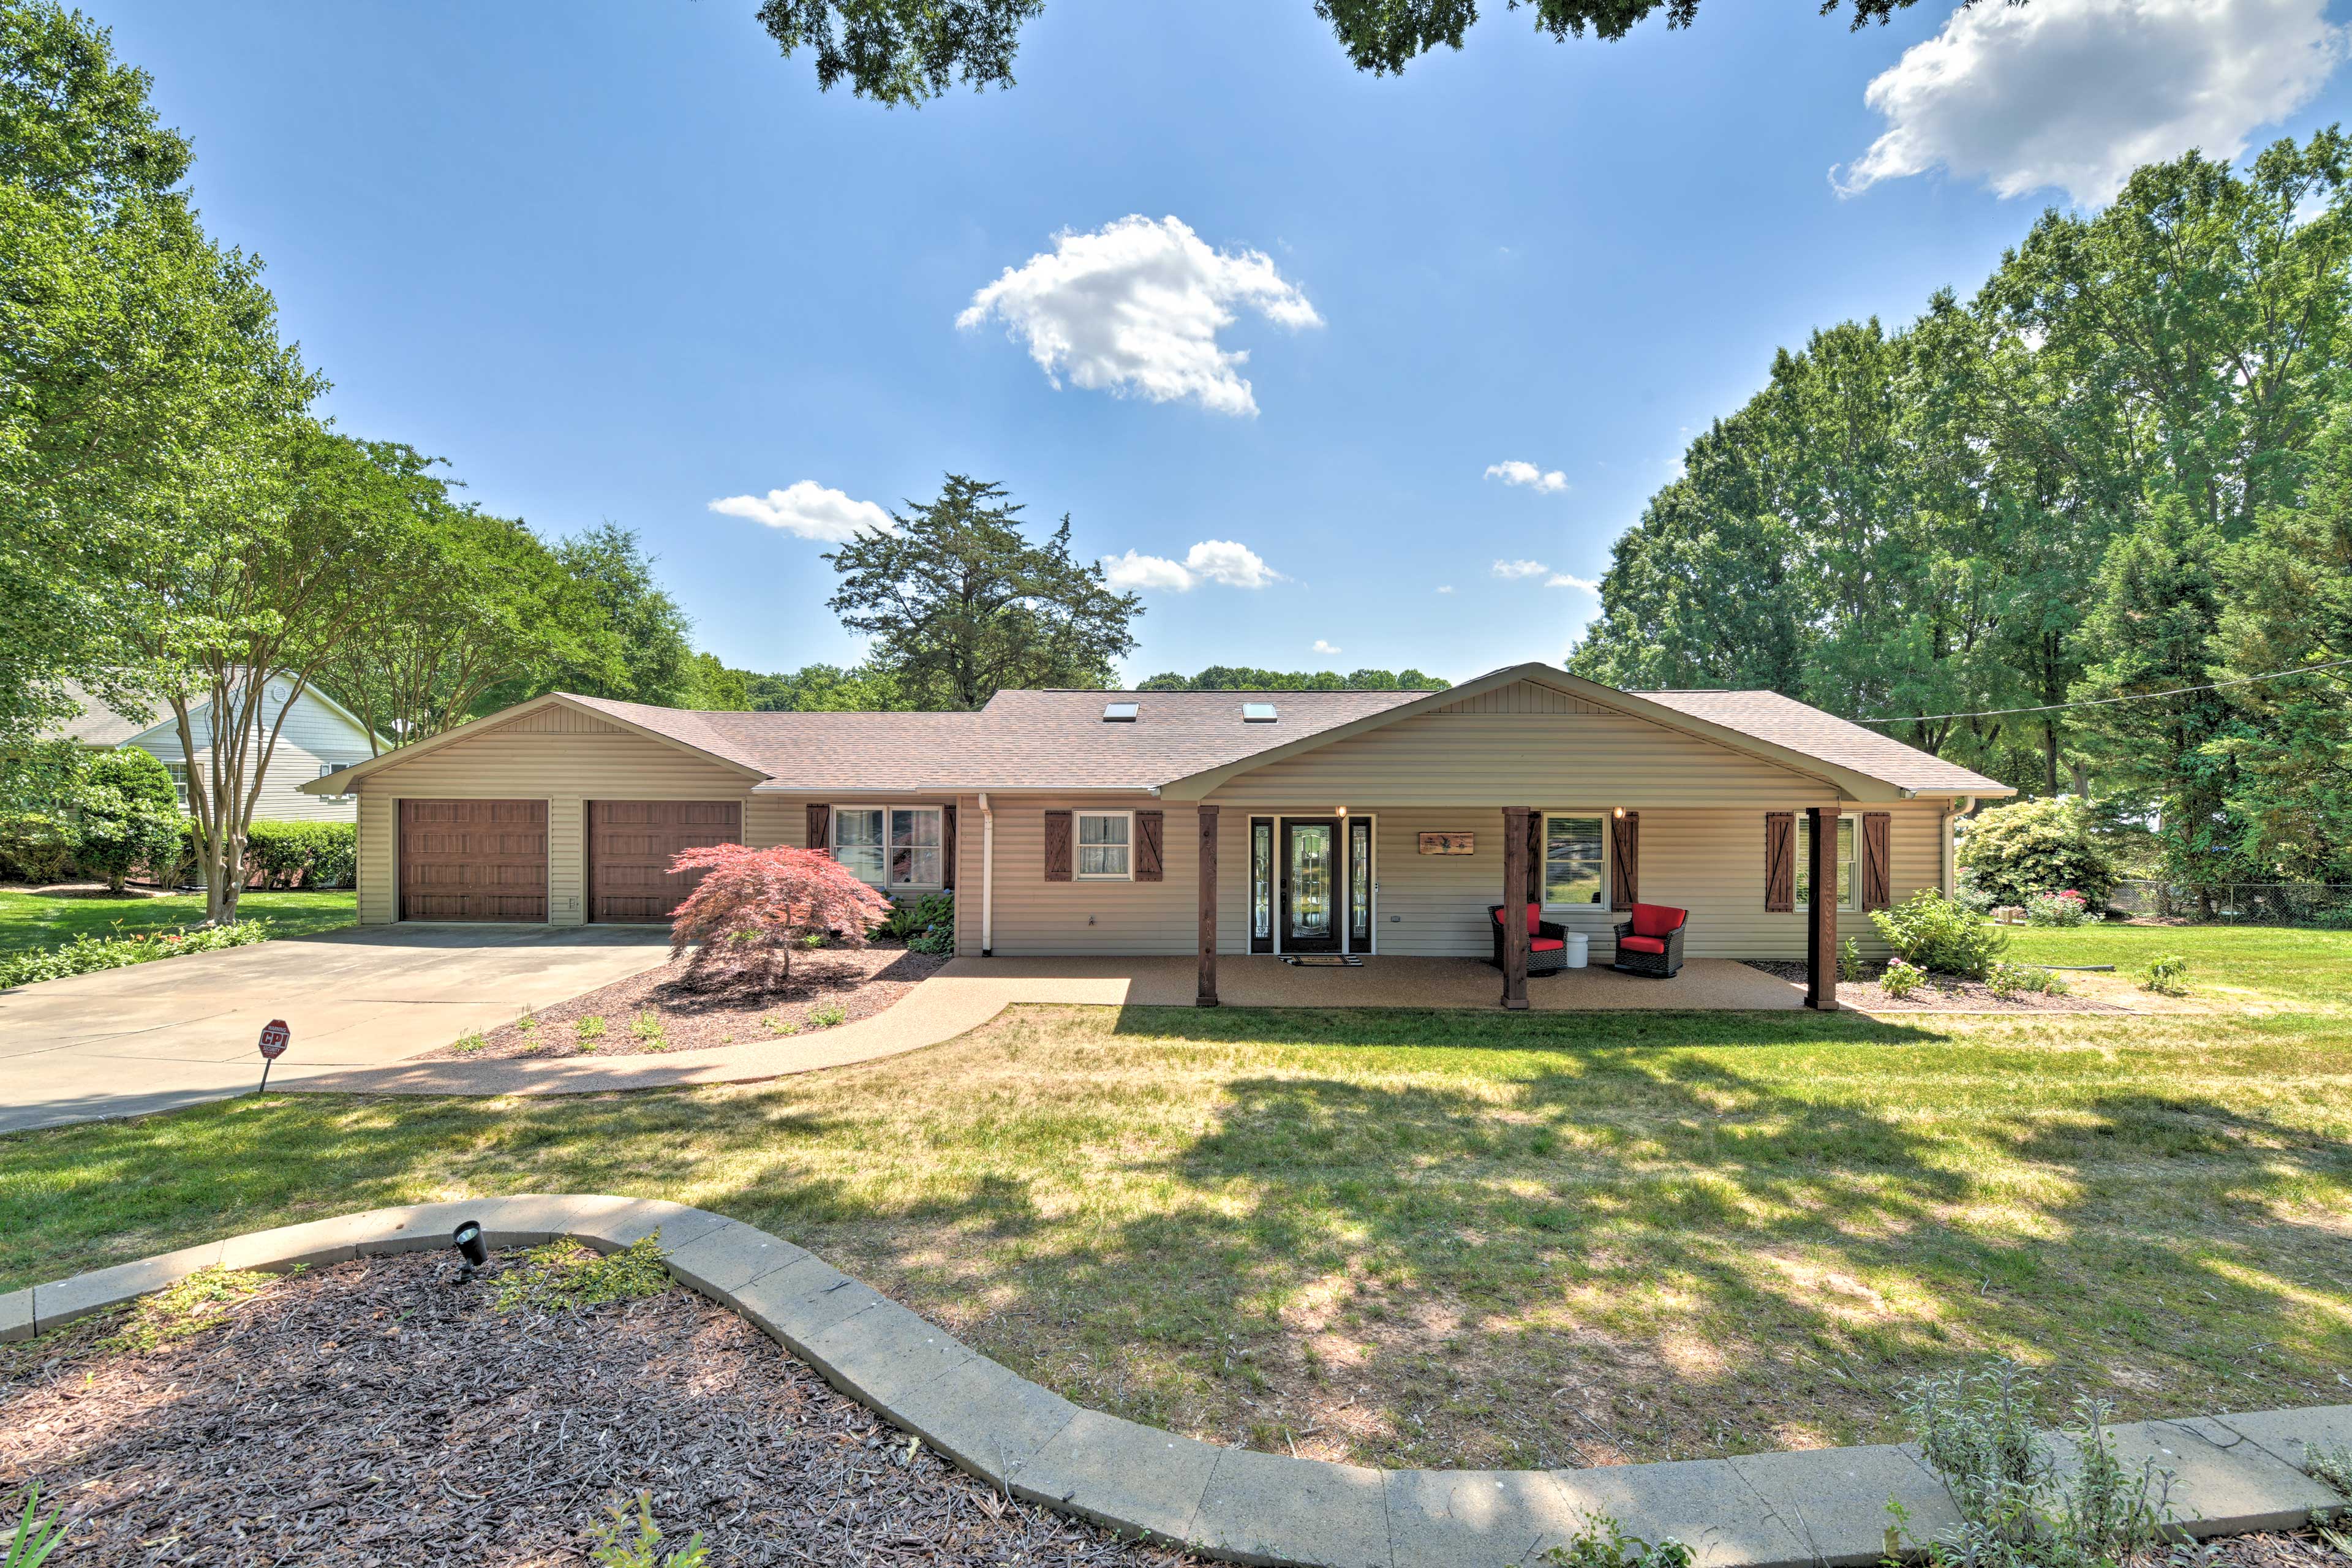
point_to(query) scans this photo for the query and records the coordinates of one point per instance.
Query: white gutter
(987, 878)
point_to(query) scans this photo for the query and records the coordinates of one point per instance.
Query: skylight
(1120, 712)
(1257, 712)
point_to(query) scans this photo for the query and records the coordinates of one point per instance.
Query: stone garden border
(1793, 1510)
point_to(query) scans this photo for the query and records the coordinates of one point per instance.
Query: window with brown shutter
(1625, 864)
(1149, 826)
(1057, 846)
(1780, 860)
(820, 827)
(1877, 871)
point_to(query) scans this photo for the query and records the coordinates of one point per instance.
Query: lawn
(29, 920)
(1444, 1239)
(2227, 964)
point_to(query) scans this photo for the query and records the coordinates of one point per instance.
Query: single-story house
(319, 736)
(1208, 822)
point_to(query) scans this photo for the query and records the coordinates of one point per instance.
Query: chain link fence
(2237, 903)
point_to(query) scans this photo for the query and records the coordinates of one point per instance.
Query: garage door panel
(473, 861)
(631, 844)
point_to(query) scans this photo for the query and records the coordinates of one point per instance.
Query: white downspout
(987, 878)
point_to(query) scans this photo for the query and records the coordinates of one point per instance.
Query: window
(179, 772)
(1848, 878)
(1575, 860)
(1257, 713)
(1120, 712)
(890, 847)
(325, 768)
(1261, 884)
(1102, 844)
(1359, 880)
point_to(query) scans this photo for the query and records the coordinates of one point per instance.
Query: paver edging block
(2237, 1473)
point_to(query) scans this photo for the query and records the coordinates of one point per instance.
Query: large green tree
(1236, 678)
(906, 51)
(960, 603)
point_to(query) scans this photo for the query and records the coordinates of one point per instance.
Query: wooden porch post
(1821, 915)
(1208, 902)
(1515, 906)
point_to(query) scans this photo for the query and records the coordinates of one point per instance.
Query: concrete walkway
(128, 1042)
(968, 992)
(2230, 1474)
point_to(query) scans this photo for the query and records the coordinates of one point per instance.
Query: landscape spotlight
(468, 1239)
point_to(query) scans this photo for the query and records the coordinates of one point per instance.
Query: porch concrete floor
(1704, 983)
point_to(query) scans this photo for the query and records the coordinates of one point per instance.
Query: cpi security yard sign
(274, 1038)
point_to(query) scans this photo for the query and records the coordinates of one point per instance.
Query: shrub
(2166, 976)
(634, 1542)
(469, 1043)
(647, 1028)
(588, 1030)
(753, 905)
(1935, 933)
(1901, 980)
(36, 846)
(1601, 1542)
(827, 1015)
(1849, 960)
(2069, 908)
(126, 815)
(939, 940)
(910, 917)
(302, 854)
(2012, 852)
(564, 1276)
(86, 953)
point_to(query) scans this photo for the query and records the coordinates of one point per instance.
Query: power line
(2104, 702)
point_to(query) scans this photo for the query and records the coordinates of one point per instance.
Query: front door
(1314, 884)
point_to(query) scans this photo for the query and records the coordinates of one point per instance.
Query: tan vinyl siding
(1037, 917)
(1523, 697)
(566, 768)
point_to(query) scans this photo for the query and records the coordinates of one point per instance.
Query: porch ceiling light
(1618, 812)
(1343, 811)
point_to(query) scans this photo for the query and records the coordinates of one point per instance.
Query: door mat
(1324, 959)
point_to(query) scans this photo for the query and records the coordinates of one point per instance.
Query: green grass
(30, 920)
(1424, 1239)
(2226, 963)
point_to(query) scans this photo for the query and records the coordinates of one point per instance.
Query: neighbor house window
(1575, 859)
(890, 847)
(1847, 878)
(179, 772)
(1103, 844)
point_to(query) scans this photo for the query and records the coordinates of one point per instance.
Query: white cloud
(1136, 307)
(1562, 580)
(2074, 94)
(811, 511)
(1515, 472)
(1445, 587)
(1234, 565)
(1520, 569)
(1322, 646)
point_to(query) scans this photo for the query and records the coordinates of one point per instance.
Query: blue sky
(618, 259)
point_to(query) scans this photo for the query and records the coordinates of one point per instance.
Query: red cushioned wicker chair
(1546, 943)
(1651, 943)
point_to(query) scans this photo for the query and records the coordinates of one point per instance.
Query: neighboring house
(1184, 822)
(319, 737)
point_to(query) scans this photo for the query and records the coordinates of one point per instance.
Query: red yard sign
(275, 1037)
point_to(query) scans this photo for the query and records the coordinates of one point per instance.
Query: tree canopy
(907, 51)
(1233, 677)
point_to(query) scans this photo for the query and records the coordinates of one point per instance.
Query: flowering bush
(2012, 852)
(753, 907)
(2067, 909)
(1901, 980)
(86, 953)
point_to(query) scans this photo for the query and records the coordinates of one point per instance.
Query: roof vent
(1120, 713)
(1257, 712)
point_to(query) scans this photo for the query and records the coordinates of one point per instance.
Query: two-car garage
(488, 859)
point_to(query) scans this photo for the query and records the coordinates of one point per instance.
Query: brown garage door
(473, 860)
(630, 843)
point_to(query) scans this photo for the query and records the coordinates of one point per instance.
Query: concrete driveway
(126, 1042)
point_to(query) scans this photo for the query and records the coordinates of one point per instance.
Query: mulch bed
(1941, 994)
(380, 1412)
(859, 982)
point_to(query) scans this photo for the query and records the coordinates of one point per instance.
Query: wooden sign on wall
(1449, 843)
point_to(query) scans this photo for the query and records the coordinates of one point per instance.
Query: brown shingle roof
(1785, 722)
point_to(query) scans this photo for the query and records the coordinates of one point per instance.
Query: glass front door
(1313, 885)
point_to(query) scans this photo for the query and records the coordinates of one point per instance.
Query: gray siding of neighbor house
(314, 737)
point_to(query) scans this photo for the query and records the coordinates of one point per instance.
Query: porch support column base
(1207, 996)
(1820, 911)
(1514, 908)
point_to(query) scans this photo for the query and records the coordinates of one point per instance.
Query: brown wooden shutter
(820, 827)
(1535, 857)
(1057, 846)
(947, 848)
(1149, 828)
(1780, 860)
(1877, 882)
(1625, 865)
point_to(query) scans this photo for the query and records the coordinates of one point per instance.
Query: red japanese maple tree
(755, 906)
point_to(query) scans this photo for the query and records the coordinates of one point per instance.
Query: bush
(2007, 979)
(910, 917)
(86, 953)
(636, 1543)
(1935, 933)
(126, 815)
(1601, 1542)
(2166, 976)
(1901, 980)
(753, 906)
(2069, 908)
(36, 847)
(2012, 852)
(302, 854)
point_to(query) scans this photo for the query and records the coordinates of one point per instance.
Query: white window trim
(1605, 902)
(1077, 847)
(1849, 866)
(179, 772)
(833, 841)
